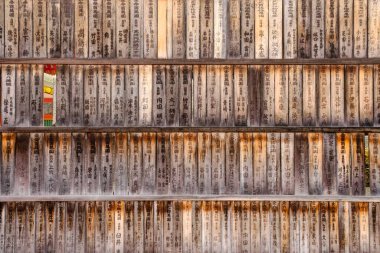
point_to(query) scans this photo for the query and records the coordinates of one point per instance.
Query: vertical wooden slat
(10, 227)
(177, 227)
(8, 95)
(107, 172)
(132, 95)
(76, 95)
(40, 26)
(304, 227)
(163, 163)
(213, 95)
(40, 227)
(315, 163)
(129, 226)
(159, 98)
(179, 29)
(309, 95)
(346, 28)
(268, 96)
(138, 226)
(190, 163)
(318, 20)
(275, 227)
(245, 234)
(261, 29)
(2, 26)
(109, 28)
(275, 29)
(248, 29)
(233, 29)
(246, 163)
(281, 94)
(255, 231)
(187, 239)
(332, 28)
(67, 28)
(185, 94)
(69, 226)
(21, 165)
(218, 162)
(192, 29)
(360, 29)
(324, 234)
(216, 226)
(176, 156)
(121, 163)
(376, 97)
(30, 227)
(51, 226)
(364, 227)
(135, 163)
(314, 226)
(77, 168)
(294, 226)
(8, 163)
(290, 29)
(226, 95)
(36, 164)
(285, 227)
(145, 95)
(254, 82)
(118, 95)
(329, 179)
(64, 162)
(158, 220)
(123, 36)
(104, 95)
(172, 95)
(236, 227)
(354, 232)
(90, 106)
(373, 28)
(23, 95)
(220, 29)
(343, 163)
(25, 29)
(241, 95)
(11, 13)
(273, 163)
(119, 226)
(149, 162)
(304, 28)
(259, 163)
(150, 28)
(199, 95)
(357, 164)
(197, 225)
(168, 226)
(324, 95)
(265, 217)
(162, 28)
(344, 227)
(136, 28)
(374, 227)
(351, 95)
(51, 163)
(232, 179)
(287, 164)
(80, 228)
(366, 95)
(53, 28)
(295, 95)
(92, 159)
(206, 28)
(374, 163)
(81, 32)
(63, 95)
(148, 227)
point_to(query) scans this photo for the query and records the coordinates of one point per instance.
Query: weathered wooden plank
(213, 95)
(232, 178)
(290, 29)
(179, 29)
(11, 14)
(364, 227)
(226, 83)
(187, 226)
(366, 95)
(281, 93)
(185, 95)
(374, 226)
(63, 95)
(192, 29)
(354, 232)
(76, 95)
(268, 96)
(159, 226)
(324, 96)
(92, 161)
(150, 28)
(121, 164)
(304, 227)
(236, 227)
(22, 95)
(309, 112)
(162, 28)
(343, 163)
(119, 226)
(259, 163)
(148, 221)
(109, 28)
(284, 227)
(8, 95)
(81, 32)
(204, 149)
(254, 82)
(123, 29)
(149, 162)
(373, 28)
(90, 104)
(199, 95)
(261, 29)
(346, 28)
(78, 165)
(20, 235)
(247, 29)
(104, 95)
(245, 225)
(135, 163)
(374, 163)
(246, 163)
(25, 28)
(304, 28)
(344, 226)
(233, 29)
(138, 226)
(106, 172)
(80, 227)
(36, 175)
(301, 161)
(40, 28)
(64, 163)
(172, 95)
(332, 32)
(177, 227)
(132, 95)
(241, 95)
(67, 28)
(357, 164)
(106, 218)
(3, 208)
(51, 226)
(40, 244)
(265, 213)
(220, 29)
(145, 95)
(275, 227)
(206, 15)
(315, 163)
(295, 95)
(190, 163)
(94, 226)
(255, 231)
(176, 155)
(275, 23)
(376, 97)
(324, 234)
(287, 164)
(159, 98)
(95, 25)
(53, 28)
(136, 28)
(128, 227)
(329, 164)
(8, 164)
(21, 174)
(168, 226)
(118, 95)
(2, 28)
(294, 217)
(51, 164)
(314, 226)
(273, 163)
(360, 29)
(352, 94)
(197, 225)
(218, 164)
(163, 163)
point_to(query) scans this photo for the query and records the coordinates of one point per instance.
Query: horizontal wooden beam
(302, 198)
(95, 129)
(119, 61)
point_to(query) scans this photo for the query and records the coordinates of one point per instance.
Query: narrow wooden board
(81, 33)
(309, 112)
(255, 234)
(190, 163)
(8, 95)
(207, 226)
(187, 239)
(94, 225)
(11, 29)
(168, 226)
(344, 227)
(136, 28)
(23, 95)
(343, 163)
(80, 227)
(192, 29)
(352, 94)
(265, 217)
(179, 29)
(197, 225)
(8, 163)
(53, 28)
(374, 162)
(206, 15)
(295, 95)
(40, 245)
(148, 162)
(132, 95)
(106, 172)
(177, 227)
(63, 95)
(273, 163)
(254, 82)
(220, 29)
(109, 28)
(36, 171)
(285, 226)
(287, 164)
(51, 163)
(376, 96)
(199, 95)
(324, 234)
(128, 227)
(76, 95)
(64, 163)
(235, 228)
(159, 226)
(90, 106)
(25, 47)
(275, 225)
(119, 226)
(259, 163)
(204, 150)
(294, 226)
(281, 96)
(360, 29)
(159, 98)
(78, 165)
(329, 164)
(226, 84)
(354, 233)
(373, 28)
(30, 227)
(233, 29)
(95, 24)
(162, 28)
(268, 96)
(275, 34)
(172, 95)
(121, 164)
(213, 95)
(318, 21)
(246, 163)
(245, 225)
(176, 156)
(67, 28)
(138, 229)
(364, 227)
(185, 95)
(216, 226)
(346, 28)
(163, 163)
(241, 95)
(92, 161)
(123, 29)
(261, 29)
(232, 163)
(357, 164)
(218, 164)
(332, 28)
(2, 28)
(247, 29)
(301, 161)
(104, 95)
(51, 226)
(118, 95)
(315, 163)
(40, 27)
(304, 227)
(135, 163)
(21, 180)
(314, 226)
(290, 29)
(150, 28)
(145, 95)
(366, 95)
(374, 226)
(304, 28)
(324, 95)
